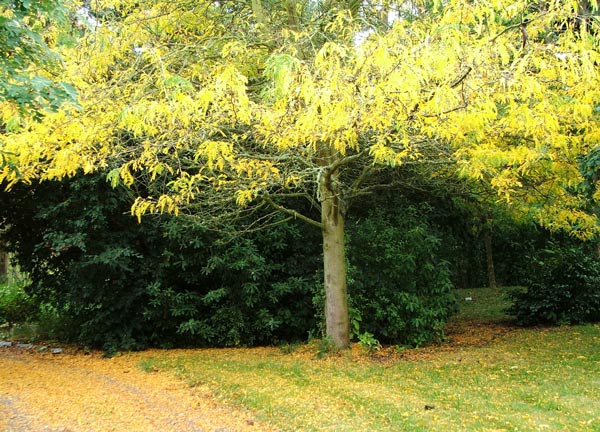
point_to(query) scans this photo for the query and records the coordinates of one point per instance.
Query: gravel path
(86, 393)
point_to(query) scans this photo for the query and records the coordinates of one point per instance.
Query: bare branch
(304, 195)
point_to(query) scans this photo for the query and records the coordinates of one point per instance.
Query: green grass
(26, 332)
(527, 380)
(485, 304)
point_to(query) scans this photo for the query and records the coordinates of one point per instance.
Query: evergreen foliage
(563, 287)
(106, 280)
(16, 307)
(85, 259)
(248, 290)
(400, 288)
(118, 284)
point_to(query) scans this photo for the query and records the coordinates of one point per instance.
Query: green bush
(563, 287)
(16, 307)
(108, 281)
(88, 261)
(247, 290)
(111, 282)
(399, 287)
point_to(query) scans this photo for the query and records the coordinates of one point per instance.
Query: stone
(24, 345)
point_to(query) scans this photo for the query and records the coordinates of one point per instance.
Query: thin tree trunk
(3, 265)
(489, 255)
(334, 264)
(293, 20)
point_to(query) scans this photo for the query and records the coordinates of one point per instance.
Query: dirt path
(81, 393)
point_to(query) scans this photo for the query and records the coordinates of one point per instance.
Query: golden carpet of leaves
(77, 392)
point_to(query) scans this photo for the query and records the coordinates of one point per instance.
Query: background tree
(270, 104)
(28, 30)
(28, 65)
(4, 263)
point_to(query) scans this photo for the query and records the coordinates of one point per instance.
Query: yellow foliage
(243, 197)
(171, 90)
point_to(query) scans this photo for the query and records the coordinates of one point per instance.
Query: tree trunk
(489, 255)
(3, 265)
(334, 264)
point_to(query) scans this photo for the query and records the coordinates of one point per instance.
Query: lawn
(489, 376)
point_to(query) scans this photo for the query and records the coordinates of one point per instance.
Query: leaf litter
(78, 392)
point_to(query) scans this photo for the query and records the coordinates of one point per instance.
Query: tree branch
(461, 77)
(360, 179)
(304, 195)
(344, 161)
(520, 25)
(293, 213)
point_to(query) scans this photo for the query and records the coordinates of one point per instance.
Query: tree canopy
(266, 103)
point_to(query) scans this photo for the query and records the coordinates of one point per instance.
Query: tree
(28, 30)
(267, 104)
(4, 265)
(27, 64)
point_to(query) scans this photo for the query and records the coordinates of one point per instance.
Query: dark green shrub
(563, 287)
(114, 283)
(117, 284)
(86, 258)
(247, 290)
(399, 287)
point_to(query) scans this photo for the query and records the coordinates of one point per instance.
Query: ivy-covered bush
(400, 288)
(563, 287)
